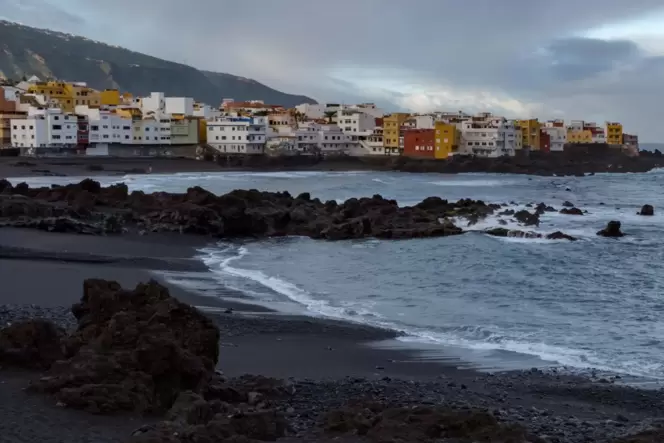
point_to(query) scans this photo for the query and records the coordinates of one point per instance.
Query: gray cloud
(517, 57)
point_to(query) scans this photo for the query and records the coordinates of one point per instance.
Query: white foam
(469, 183)
(347, 311)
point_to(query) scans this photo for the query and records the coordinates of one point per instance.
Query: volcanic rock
(133, 350)
(571, 211)
(647, 210)
(31, 344)
(612, 230)
(560, 236)
(527, 218)
(87, 207)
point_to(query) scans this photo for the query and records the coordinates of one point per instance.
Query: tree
(329, 115)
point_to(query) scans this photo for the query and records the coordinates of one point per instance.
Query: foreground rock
(87, 207)
(503, 232)
(647, 210)
(377, 422)
(31, 344)
(133, 351)
(571, 211)
(612, 230)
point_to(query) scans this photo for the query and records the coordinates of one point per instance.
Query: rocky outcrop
(87, 207)
(31, 344)
(647, 210)
(228, 410)
(503, 232)
(542, 208)
(134, 350)
(568, 204)
(612, 230)
(571, 211)
(527, 218)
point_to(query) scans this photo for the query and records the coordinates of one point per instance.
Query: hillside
(31, 51)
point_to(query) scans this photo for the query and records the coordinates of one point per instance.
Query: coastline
(329, 361)
(572, 164)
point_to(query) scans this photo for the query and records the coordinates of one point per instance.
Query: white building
(332, 140)
(45, 128)
(238, 135)
(307, 138)
(206, 111)
(179, 105)
(311, 111)
(106, 127)
(493, 137)
(156, 102)
(557, 133)
(354, 121)
(147, 132)
(424, 121)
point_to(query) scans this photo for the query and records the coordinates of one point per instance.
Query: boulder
(31, 344)
(542, 208)
(612, 230)
(568, 204)
(560, 236)
(647, 210)
(527, 218)
(134, 350)
(571, 211)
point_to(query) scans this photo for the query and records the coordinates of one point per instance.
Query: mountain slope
(31, 51)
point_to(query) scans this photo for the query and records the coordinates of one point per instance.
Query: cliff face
(26, 51)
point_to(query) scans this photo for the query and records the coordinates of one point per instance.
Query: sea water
(596, 302)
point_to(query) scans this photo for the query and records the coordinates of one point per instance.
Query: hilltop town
(53, 118)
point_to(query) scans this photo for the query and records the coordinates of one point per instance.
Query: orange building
(419, 143)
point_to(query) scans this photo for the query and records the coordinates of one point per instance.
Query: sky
(595, 60)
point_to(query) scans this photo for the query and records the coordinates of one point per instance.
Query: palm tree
(329, 115)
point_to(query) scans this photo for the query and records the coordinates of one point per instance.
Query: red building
(419, 143)
(545, 142)
(83, 132)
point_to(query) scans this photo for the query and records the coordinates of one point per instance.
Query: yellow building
(530, 133)
(129, 113)
(55, 90)
(391, 128)
(446, 140)
(202, 130)
(110, 97)
(67, 95)
(614, 133)
(579, 136)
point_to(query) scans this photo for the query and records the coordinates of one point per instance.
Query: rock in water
(133, 350)
(527, 218)
(31, 344)
(571, 211)
(568, 204)
(560, 236)
(612, 230)
(647, 210)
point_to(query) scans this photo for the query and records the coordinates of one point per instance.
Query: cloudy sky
(576, 59)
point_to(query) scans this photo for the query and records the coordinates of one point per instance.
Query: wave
(219, 262)
(470, 183)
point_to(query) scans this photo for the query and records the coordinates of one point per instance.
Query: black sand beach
(330, 362)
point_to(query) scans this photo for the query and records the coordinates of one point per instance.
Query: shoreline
(573, 164)
(330, 362)
(124, 260)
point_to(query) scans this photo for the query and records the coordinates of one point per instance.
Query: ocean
(499, 303)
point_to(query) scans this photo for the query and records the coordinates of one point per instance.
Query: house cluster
(40, 116)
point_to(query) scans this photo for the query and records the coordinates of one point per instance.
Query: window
(147, 129)
(223, 137)
(105, 126)
(105, 136)
(56, 118)
(23, 127)
(126, 128)
(94, 128)
(56, 137)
